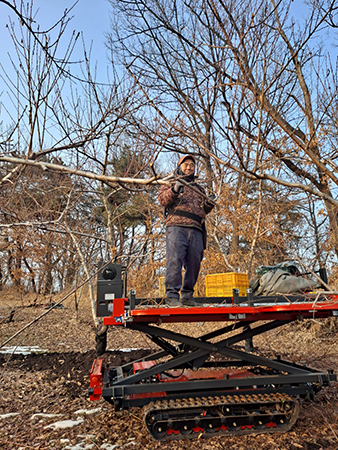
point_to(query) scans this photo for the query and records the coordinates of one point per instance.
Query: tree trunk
(48, 278)
(332, 213)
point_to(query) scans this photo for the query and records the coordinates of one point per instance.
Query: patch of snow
(109, 446)
(127, 350)
(112, 446)
(79, 446)
(87, 411)
(22, 350)
(6, 416)
(64, 441)
(65, 424)
(45, 416)
(86, 436)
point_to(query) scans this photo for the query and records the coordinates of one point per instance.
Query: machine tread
(220, 415)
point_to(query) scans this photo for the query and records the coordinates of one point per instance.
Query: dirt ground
(38, 390)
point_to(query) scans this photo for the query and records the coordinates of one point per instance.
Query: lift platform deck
(310, 306)
(203, 384)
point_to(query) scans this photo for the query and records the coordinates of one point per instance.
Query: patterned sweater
(189, 201)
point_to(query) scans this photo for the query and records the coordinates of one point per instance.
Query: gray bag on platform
(283, 282)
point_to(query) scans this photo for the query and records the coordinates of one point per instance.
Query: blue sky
(90, 17)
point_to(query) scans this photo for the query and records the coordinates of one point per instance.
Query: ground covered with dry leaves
(41, 391)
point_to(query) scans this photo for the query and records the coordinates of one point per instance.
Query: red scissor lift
(204, 385)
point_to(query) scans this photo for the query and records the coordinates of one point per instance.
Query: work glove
(178, 187)
(211, 197)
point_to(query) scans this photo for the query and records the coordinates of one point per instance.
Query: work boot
(172, 301)
(188, 302)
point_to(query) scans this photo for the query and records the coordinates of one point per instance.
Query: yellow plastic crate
(222, 284)
(161, 287)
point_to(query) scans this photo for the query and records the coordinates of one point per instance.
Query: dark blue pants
(184, 248)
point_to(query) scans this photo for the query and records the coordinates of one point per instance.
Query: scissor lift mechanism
(204, 385)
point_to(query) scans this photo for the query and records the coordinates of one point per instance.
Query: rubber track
(220, 416)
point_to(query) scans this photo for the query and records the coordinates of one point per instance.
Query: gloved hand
(212, 197)
(178, 187)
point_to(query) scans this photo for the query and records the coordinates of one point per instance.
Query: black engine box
(110, 285)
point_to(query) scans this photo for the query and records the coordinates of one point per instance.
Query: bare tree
(240, 87)
(56, 124)
(243, 85)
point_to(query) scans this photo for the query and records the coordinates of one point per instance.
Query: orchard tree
(55, 158)
(242, 84)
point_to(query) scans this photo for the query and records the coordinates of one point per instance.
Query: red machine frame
(184, 370)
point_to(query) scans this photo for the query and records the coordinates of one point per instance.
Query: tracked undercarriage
(188, 418)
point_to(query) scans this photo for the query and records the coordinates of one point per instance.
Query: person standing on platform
(185, 213)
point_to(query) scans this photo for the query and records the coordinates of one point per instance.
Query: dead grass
(58, 382)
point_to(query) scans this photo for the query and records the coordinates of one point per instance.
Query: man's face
(188, 167)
